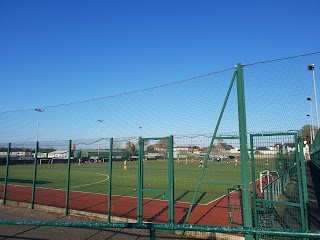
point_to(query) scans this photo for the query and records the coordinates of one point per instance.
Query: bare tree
(307, 132)
(131, 148)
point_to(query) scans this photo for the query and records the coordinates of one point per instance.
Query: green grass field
(94, 178)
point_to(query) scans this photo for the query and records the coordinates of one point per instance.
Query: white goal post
(269, 176)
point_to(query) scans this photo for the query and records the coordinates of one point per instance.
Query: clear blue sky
(54, 52)
(87, 49)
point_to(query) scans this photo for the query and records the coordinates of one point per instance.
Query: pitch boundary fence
(253, 206)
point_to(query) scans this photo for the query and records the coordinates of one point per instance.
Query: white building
(60, 154)
(19, 153)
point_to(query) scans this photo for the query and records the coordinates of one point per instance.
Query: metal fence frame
(247, 229)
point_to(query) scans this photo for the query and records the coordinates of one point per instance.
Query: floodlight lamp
(308, 115)
(308, 99)
(311, 67)
(39, 109)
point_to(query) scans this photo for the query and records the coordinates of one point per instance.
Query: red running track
(214, 213)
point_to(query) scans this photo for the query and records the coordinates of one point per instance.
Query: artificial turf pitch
(94, 177)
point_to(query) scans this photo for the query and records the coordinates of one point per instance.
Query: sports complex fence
(246, 173)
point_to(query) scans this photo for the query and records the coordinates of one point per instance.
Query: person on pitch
(201, 163)
(125, 165)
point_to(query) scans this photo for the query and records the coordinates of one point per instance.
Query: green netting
(51, 174)
(278, 194)
(189, 110)
(235, 209)
(156, 169)
(315, 149)
(20, 172)
(89, 175)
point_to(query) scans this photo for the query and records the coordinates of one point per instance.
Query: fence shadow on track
(23, 181)
(194, 206)
(166, 208)
(144, 203)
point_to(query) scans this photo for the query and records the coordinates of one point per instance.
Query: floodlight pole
(140, 131)
(100, 122)
(311, 117)
(308, 115)
(311, 68)
(310, 128)
(39, 110)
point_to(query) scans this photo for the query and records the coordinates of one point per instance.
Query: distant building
(59, 154)
(154, 155)
(265, 150)
(44, 152)
(180, 152)
(103, 153)
(221, 146)
(281, 148)
(286, 147)
(18, 153)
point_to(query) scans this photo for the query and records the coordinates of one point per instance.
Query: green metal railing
(110, 181)
(315, 150)
(178, 227)
(6, 175)
(34, 174)
(283, 201)
(168, 194)
(290, 167)
(68, 179)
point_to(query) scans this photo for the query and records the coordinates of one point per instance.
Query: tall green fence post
(6, 176)
(68, 179)
(171, 181)
(34, 174)
(304, 179)
(298, 172)
(254, 190)
(110, 180)
(140, 180)
(247, 215)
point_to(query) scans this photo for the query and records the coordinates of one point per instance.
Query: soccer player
(125, 165)
(200, 164)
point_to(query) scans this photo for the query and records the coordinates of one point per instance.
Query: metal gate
(156, 174)
(278, 192)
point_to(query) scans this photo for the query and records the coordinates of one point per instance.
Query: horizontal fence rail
(182, 227)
